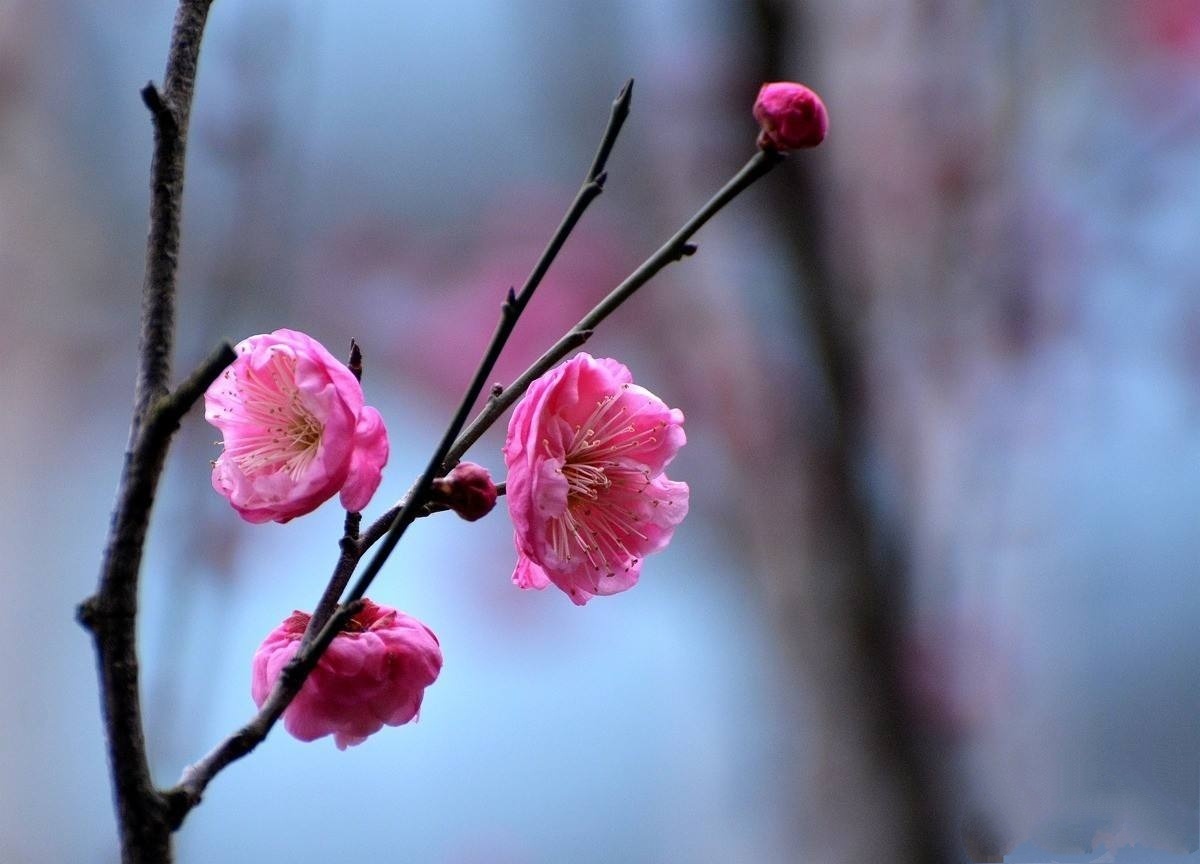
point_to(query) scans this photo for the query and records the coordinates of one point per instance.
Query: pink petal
(529, 575)
(587, 420)
(366, 464)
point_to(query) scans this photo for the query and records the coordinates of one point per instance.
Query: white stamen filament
(593, 523)
(286, 436)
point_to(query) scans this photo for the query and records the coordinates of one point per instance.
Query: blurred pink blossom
(295, 430)
(453, 281)
(373, 673)
(585, 451)
(791, 116)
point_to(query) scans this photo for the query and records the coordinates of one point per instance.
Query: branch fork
(148, 816)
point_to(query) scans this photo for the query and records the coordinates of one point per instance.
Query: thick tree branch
(171, 111)
(111, 613)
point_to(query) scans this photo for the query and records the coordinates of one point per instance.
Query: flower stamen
(282, 434)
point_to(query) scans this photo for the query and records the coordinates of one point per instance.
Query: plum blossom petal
(367, 461)
(529, 575)
(586, 450)
(373, 674)
(295, 430)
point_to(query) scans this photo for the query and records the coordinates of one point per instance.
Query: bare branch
(348, 559)
(510, 311)
(180, 800)
(355, 364)
(192, 388)
(187, 794)
(111, 613)
(673, 250)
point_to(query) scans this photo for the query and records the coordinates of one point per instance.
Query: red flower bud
(791, 116)
(468, 490)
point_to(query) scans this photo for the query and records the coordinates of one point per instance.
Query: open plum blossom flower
(373, 673)
(585, 451)
(295, 430)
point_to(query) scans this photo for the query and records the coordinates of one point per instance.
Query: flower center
(278, 432)
(598, 521)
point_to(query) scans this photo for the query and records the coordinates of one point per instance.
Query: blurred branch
(862, 695)
(111, 613)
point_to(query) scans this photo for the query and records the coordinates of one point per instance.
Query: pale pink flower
(373, 673)
(791, 116)
(295, 430)
(586, 449)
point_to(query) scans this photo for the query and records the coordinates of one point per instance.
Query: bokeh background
(937, 593)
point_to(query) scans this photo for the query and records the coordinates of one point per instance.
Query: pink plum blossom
(373, 673)
(791, 116)
(295, 430)
(585, 451)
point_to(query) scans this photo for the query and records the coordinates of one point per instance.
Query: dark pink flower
(295, 430)
(585, 451)
(373, 673)
(468, 490)
(791, 116)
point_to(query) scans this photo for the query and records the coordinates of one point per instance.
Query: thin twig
(673, 250)
(181, 799)
(171, 410)
(196, 778)
(510, 311)
(111, 613)
(391, 526)
(342, 571)
(187, 794)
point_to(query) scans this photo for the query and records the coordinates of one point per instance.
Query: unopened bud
(468, 490)
(792, 117)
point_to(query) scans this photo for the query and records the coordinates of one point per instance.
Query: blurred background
(936, 597)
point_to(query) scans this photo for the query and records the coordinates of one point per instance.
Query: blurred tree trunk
(878, 786)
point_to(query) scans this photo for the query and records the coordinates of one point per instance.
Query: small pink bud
(468, 490)
(792, 117)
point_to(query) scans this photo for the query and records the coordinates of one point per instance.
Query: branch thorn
(161, 110)
(624, 96)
